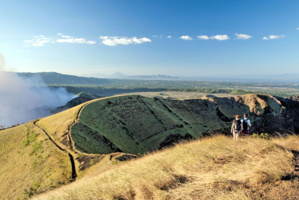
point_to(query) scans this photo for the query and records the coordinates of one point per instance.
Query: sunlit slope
(137, 124)
(213, 168)
(30, 163)
(57, 125)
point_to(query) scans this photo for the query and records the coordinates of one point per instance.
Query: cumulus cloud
(219, 37)
(41, 40)
(38, 41)
(115, 40)
(214, 37)
(169, 36)
(203, 37)
(273, 37)
(297, 29)
(70, 39)
(186, 37)
(243, 36)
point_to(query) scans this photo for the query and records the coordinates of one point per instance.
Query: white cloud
(157, 36)
(115, 40)
(38, 41)
(70, 39)
(203, 37)
(243, 36)
(276, 36)
(169, 36)
(219, 37)
(273, 37)
(297, 29)
(64, 36)
(186, 37)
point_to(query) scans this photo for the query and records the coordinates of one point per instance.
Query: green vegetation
(30, 137)
(136, 124)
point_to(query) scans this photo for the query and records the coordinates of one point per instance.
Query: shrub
(262, 136)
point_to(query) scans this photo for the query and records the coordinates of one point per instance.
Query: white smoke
(22, 100)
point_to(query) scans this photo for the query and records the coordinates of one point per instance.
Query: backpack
(237, 125)
(245, 125)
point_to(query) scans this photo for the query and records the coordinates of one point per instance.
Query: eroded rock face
(137, 124)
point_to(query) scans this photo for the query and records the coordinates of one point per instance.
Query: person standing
(245, 125)
(236, 127)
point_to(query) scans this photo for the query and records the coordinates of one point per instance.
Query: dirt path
(72, 160)
(69, 135)
(296, 163)
(294, 176)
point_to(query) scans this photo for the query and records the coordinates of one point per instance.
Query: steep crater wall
(137, 124)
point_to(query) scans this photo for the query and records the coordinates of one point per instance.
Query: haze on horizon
(138, 37)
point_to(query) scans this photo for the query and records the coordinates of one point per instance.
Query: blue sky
(139, 37)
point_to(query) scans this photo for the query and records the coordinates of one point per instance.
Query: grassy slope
(30, 163)
(57, 125)
(136, 124)
(211, 168)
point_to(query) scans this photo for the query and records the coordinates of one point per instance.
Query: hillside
(34, 161)
(54, 78)
(109, 87)
(30, 163)
(137, 124)
(98, 135)
(213, 168)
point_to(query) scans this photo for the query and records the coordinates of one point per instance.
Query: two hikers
(240, 126)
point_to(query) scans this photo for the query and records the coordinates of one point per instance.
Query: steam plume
(22, 100)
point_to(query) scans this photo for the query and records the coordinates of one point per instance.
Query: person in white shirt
(245, 125)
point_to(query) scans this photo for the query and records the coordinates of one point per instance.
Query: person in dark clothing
(236, 128)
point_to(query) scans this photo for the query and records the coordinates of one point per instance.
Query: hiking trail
(72, 160)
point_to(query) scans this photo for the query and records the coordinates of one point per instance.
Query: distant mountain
(153, 77)
(119, 75)
(54, 78)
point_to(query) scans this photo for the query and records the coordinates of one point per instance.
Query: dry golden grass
(30, 163)
(212, 168)
(57, 125)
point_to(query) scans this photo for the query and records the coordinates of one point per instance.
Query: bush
(262, 136)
